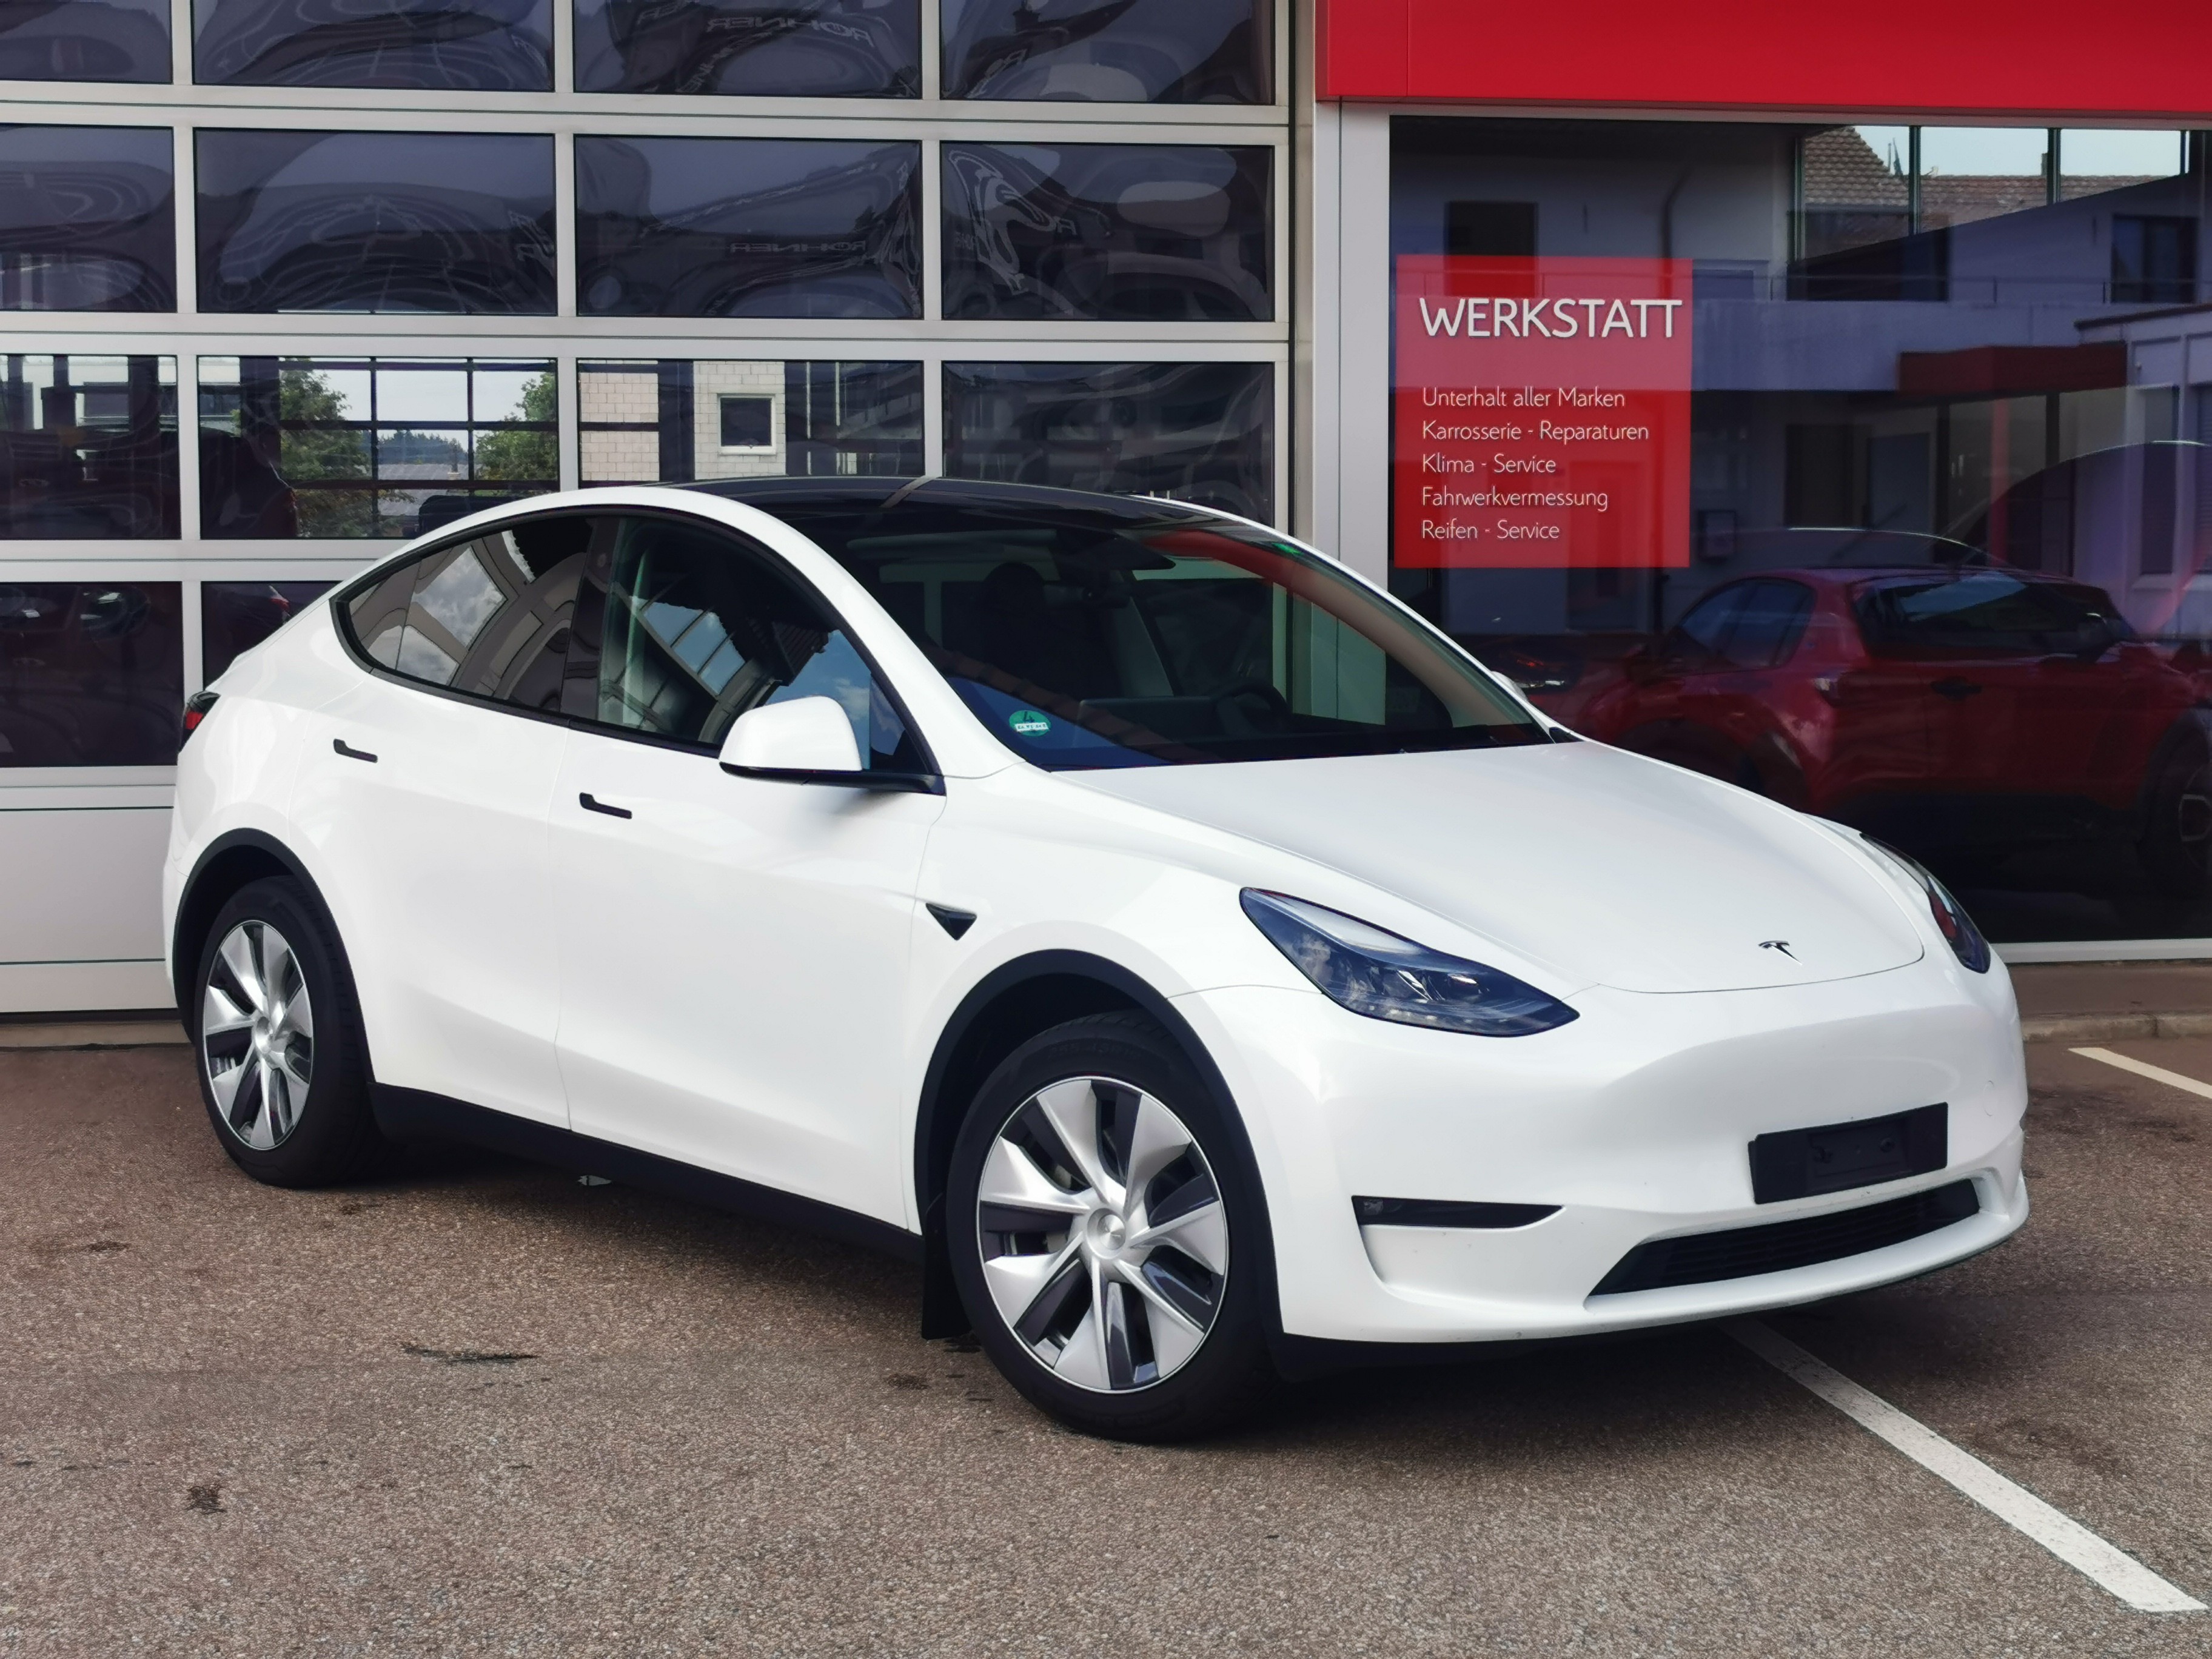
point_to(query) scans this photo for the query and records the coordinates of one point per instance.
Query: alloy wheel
(257, 1034)
(1104, 1243)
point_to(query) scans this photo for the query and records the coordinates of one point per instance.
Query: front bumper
(1635, 1121)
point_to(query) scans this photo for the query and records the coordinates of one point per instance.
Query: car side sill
(417, 1114)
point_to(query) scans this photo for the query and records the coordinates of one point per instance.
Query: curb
(2112, 1028)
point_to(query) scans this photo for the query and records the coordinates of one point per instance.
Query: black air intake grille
(1778, 1246)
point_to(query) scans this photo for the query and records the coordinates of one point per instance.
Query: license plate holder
(1835, 1157)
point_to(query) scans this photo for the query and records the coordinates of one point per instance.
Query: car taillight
(195, 710)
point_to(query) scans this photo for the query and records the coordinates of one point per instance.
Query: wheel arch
(1007, 1006)
(227, 863)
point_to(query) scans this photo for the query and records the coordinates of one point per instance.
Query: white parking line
(2155, 1073)
(2073, 1543)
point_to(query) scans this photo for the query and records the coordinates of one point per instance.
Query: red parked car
(1946, 708)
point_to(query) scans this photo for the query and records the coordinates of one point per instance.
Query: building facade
(1772, 405)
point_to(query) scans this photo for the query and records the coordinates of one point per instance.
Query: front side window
(449, 222)
(1145, 635)
(697, 628)
(1751, 625)
(492, 615)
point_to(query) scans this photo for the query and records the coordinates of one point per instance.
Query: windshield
(1149, 636)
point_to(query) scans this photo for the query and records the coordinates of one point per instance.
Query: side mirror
(807, 740)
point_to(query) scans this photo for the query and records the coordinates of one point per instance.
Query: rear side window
(695, 628)
(491, 615)
(1987, 612)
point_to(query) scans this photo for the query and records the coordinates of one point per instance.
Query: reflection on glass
(458, 46)
(765, 48)
(85, 41)
(643, 421)
(368, 447)
(1948, 568)
(88, 446)
(410, 222)
(698, 629)
(1131, 52)
(748, 227)
(86, 219)
(1195, 432)
(91, 674)
(235, 617)
(1152, 232)
(492, 617)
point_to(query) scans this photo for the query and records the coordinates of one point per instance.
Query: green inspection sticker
(1027, 723)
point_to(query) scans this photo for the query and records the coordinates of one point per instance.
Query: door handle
(351, 753)
(591, 805)
(1957, 689)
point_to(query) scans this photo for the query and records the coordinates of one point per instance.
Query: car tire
(2177, 841)
(278, 1043)
(1134, 1308)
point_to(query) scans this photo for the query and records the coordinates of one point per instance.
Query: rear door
(427, 791)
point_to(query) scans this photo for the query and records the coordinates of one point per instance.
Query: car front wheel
(1106, 1249)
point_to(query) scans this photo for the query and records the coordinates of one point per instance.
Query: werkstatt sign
(1542, 413)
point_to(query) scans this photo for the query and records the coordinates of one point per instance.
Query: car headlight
(1952, 922)
(1384, 976)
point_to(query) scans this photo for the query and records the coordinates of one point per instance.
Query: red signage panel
(1540, 413)
(1971, 56)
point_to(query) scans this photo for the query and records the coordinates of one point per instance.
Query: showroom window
(88, 218)
(91, 674)
(1134, 232)
(748, 227)
(1158, 51)
(643, 421)
(86, 40)
(235, 617)
(375, 221)
(1193, 432)
(1925, 385)
(444, 46)
(88, 446)
(796, 49)
(369, 446)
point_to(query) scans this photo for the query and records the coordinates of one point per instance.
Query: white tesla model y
(1196, 960)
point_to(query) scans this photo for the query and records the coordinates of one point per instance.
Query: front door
(733, 950)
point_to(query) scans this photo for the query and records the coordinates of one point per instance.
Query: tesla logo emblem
(1781, 945)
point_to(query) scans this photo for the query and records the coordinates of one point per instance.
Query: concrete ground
(481, 1409)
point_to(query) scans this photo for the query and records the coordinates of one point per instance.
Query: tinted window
(490, 615)
(698, 628)
(86, 219)
(368, 446)
(432, 221)
(1197, 432)
(1161, 51)
(86, 40)
(460, 45)
(235, 617)
(674, 420)
(800, 48)
(1142, 636)
(88, 446)
(1750, 625)
(91, 674)
(748, 227)
(1151, 233)
(1988, 611)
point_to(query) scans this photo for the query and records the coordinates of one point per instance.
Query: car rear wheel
(1105, 1247)
(276, 1034)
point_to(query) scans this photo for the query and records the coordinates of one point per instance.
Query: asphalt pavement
(479, 1408)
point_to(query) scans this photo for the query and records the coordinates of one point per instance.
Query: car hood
(1604, 866)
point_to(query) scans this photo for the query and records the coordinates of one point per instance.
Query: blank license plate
(1837, 1157)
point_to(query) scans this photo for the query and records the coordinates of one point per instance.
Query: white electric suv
(1193, 958)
